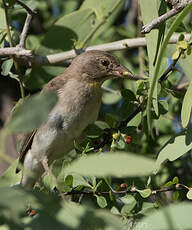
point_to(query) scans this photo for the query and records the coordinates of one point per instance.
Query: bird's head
(98, 66)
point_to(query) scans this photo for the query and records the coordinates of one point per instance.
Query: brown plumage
(79, 92)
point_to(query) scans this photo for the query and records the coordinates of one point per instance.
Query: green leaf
(118, 164)
(75, 216)
(2, 19)
(128, 94)
(186, 107)
(101, 201)
(189, 194)
(171, 30)
(6, 67)
(9, 177)
(93, 131)
(31, 113)
(175, 180)
(167, 218)
(176, 196)
(154, 39)
(69, 180)
(14, 201)
(175, 147)
(129, 202)
(169, 184)
(145, 192)
(110, 98)
(186, 66)
(80, 181)
(176, 55)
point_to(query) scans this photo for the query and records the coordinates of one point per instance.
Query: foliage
(128, 173)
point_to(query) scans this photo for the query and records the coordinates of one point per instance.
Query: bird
(79, 99)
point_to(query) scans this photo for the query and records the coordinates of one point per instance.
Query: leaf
(171, 30)
(186, 66)
(93, 131)
(176, 55)
(175, 180)
(145, 192)
(167, 218)
(119, 164)
(110, 98)
(128, 94)
(189, 194)
(129, 202)
(182, 44)
(175, 147)
(31, 113)
(78, 180)
(101, 201)
(9, 177)
(154, 39)
(74, 216)
(14, 202)
(6, 67)
(2, 19)
(186, 107)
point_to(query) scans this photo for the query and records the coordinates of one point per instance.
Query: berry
(123, 186)
(32, 213)
(128, 139)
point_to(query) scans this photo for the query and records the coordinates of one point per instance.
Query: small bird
(79, 100)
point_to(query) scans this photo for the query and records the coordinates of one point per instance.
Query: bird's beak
(122, 71)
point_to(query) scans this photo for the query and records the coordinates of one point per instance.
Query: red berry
(32, 213)
(128, 139)
(123, 186)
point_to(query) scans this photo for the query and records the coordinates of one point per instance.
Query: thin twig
(169, 69)
(25, 30)
(157, 21)
(11, 44)
(117, 92)
(123, 192)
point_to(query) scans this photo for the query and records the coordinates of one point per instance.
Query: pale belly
(56, 138)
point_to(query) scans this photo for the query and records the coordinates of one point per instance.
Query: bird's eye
(105, 62)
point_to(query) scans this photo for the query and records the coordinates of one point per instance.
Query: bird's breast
(75, 111)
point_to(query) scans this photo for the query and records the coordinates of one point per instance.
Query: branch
(61, 58)
(124, 192)
(157, 21)
(25, 30)
(169, 69)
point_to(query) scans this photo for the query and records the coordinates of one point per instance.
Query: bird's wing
(27, 139)
(25, 146)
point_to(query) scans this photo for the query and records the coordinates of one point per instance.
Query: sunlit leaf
(117, 164)
(186, 107)
(167, 218)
